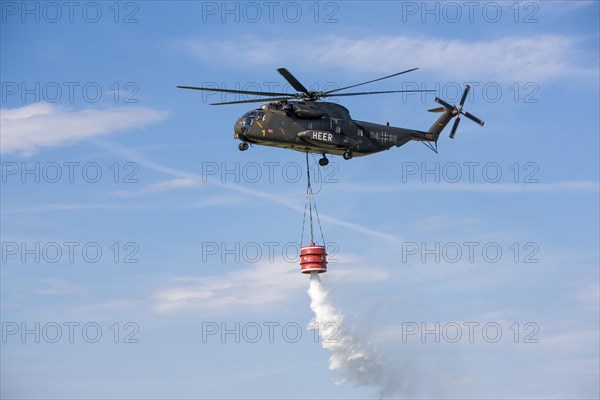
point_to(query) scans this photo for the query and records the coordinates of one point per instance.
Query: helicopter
(299, 121)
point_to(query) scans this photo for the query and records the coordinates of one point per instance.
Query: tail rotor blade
(473, 118)
(442, 102)
(458, 111)
(464, 96)
(454, 127)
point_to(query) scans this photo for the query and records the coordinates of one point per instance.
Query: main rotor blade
(464, 96)
(473, 118)
(385, 91)
(454, 127)
(292, 80)
(251, 101)
(447, 105)
(235, 91)
(374, 80)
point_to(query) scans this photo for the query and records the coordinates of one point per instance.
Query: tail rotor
(458, 111)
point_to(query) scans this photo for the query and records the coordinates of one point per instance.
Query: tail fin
(439, 125)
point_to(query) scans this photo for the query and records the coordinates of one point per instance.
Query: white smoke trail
(357, 361)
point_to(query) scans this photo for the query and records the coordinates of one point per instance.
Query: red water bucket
(313, 259)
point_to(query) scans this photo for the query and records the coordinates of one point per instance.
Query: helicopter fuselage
(317, 127)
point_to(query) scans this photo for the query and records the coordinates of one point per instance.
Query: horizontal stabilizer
(437, 110)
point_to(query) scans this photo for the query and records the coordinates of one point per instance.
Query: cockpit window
(248, 118)
(260, 116)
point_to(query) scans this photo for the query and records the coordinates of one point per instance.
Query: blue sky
(194, 235)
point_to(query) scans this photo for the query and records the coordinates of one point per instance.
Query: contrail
(358, 361)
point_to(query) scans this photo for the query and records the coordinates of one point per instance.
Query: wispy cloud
(27, 209)
(175, 183)
(587, 294)
(439, 222)
(574, 340)
(279, 199)
(554, 187)
(56, 287)
(532, 57)
(561, 7)
(266, 284)
(27, 129)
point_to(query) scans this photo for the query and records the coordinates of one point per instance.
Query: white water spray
(356, 360)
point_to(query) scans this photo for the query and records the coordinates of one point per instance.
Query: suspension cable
(310, 203)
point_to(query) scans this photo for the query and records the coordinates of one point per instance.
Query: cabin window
(338, 129)
(310, 125)
(360, 132)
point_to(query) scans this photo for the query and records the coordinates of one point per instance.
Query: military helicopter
(299, 121)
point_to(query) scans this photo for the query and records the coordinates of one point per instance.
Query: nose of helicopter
(238, 129)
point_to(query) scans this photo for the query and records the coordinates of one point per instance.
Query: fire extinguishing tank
(313, 258)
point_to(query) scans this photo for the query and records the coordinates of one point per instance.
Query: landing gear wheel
(347, 155)
(323, 161)
(243, 146)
